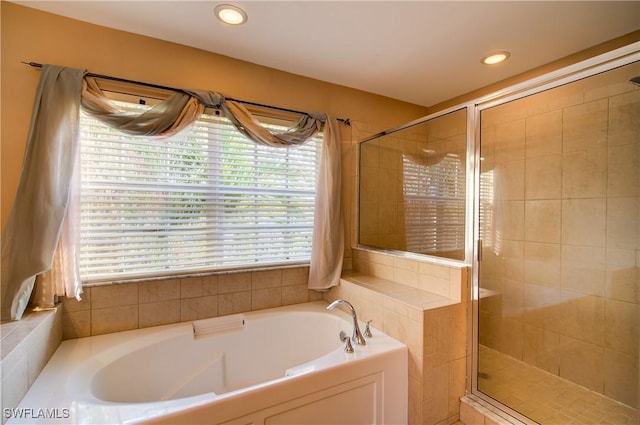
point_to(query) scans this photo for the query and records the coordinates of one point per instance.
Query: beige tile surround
(26, 346)
(562, 238)
(474, 412)
(421, 304)
(424, 305)
(120, 307)
(420, 312)
(544, 397)
(427, 311)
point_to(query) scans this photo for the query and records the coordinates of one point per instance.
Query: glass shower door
(559, 286)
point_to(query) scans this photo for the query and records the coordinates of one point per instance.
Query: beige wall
(30, 35)
(540, 70)
(561, 232)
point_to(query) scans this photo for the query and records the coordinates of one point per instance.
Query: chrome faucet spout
(357, 335)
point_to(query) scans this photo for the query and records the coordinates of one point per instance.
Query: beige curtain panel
(34, 225)
(42, 228)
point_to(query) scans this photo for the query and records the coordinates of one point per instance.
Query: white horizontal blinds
(434, 203)
(205, 199)
(490, 237)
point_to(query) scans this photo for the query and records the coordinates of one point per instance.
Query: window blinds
(205, 199)
(434, 198)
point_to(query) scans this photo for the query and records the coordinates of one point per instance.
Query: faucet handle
(367, 330)
(348, 348)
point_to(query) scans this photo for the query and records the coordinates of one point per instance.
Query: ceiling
(423, 52)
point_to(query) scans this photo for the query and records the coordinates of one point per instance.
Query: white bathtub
(279, 366)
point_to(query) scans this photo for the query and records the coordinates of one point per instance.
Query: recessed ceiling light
(495, 58)
(230, 14)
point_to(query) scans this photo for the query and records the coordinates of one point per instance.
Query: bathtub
(279, 366)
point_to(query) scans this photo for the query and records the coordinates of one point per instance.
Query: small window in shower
(413, 187)
(434, 205)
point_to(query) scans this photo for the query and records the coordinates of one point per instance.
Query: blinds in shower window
(434, 205)
(205, 199)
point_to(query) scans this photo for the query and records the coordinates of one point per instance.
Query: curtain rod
(345, 121)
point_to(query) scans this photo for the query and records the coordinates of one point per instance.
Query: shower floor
(546, 398)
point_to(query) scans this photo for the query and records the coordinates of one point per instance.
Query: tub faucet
(357, 335)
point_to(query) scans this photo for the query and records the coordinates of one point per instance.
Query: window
(205, 199)
(434, 198)
(489, 234)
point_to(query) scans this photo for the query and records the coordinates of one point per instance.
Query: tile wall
(431, 319)
(382, 206)
(561, 232)
(475, 413)
(120, 307)
(26, 347)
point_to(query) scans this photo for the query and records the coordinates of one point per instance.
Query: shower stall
(558, 308)
(538, 189)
